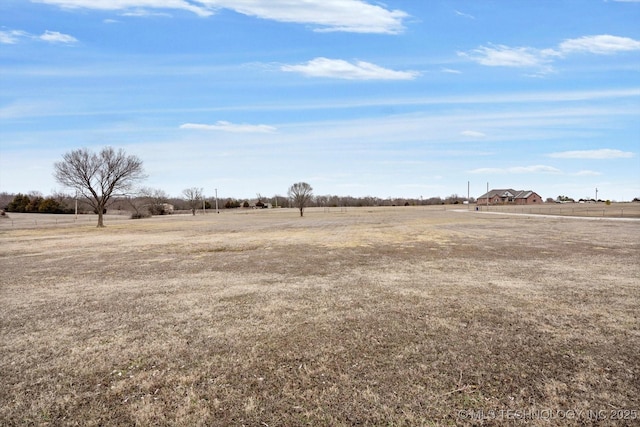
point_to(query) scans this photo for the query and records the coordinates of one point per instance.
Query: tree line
(143, 204)
(110, 178)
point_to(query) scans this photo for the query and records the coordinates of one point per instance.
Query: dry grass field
(369, 316)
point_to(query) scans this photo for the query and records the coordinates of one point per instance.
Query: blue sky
(401, 98)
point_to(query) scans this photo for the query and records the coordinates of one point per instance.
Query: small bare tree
(193, 196)
(301, 194)
(155, 199)
(99, 176)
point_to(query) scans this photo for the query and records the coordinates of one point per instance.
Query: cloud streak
(56, 37)
(599, 45)
(464, 15)
(17, 36)
(355, 16)
(341, 69)
(225, 126)
(472, 134)
(505, 56)
(128, 5)
(541, 59)
(517, 170)
(602, 154)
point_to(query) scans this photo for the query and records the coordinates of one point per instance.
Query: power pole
(217, 211)
(487, 196)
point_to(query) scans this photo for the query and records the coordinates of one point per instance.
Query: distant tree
(139, 204)
(19, 203)
(5, 199)
(453, 199)
(66, 201)
(231, 204)
(99, 176)
(301, 194)
(34, 204)
(193, 197)
(49, 205)
(155, 200)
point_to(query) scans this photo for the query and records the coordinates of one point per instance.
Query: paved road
(591, 218)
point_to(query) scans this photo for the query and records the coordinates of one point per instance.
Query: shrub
(140, 215)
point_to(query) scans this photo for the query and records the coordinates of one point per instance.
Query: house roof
(500, 193)
(507, 192)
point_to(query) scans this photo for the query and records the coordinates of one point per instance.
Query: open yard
(364, 316)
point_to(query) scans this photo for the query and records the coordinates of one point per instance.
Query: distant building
(259, 204)
(167, 208)
(509, 197)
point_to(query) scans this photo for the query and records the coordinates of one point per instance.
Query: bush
(156, 210)
(140, 215)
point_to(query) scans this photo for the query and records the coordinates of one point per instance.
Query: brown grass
(379, 316)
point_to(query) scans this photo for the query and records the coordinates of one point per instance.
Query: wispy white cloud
(517, 170)
(505, 56)
(17, 36)
(587, 173)
(601, 154)
(230, 127)
(344, 15)
(464, 15)
(472, 134)
(541, 59)
(128, 5)
(341, 69)
(451, 71)
(599, 45)
(142, 13)
(56, 37)
(12, 36)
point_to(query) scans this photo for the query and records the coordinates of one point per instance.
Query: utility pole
(596, 194)
(217, 211)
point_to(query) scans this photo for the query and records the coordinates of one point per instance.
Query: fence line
(583, 211)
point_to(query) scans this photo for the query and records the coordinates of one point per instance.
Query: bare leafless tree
(97, 177)
(193, 196)
(301, 194)
(155, 199)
